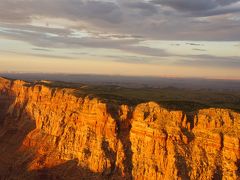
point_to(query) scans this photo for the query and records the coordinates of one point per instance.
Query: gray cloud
(194, 44)
(41, 55)
(210, 61)
(188, 5)
(12, 10)
(144, 8)
(202, 8)
(37, 38)
(151, 20)
(123, 25)
(194, 5)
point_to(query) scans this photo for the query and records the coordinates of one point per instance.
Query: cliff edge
(49, 133)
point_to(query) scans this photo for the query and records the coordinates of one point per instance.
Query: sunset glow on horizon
(139, 38)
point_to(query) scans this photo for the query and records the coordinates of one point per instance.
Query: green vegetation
(172, 98)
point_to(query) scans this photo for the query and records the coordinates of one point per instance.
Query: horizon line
(119, 75)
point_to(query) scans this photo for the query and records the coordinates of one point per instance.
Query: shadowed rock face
(48, 133)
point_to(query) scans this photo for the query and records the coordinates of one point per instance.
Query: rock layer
(48, 133)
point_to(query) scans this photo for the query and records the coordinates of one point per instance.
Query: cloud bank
(122, 25)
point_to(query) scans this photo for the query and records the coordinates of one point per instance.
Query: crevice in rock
(218, 174)
(238, 167)
(110, 155)
(221, 140)
(124, 138)
(183, 169)
(190, 119)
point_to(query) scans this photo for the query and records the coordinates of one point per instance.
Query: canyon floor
(59, 130)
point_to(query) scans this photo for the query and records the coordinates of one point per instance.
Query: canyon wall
(48, 133)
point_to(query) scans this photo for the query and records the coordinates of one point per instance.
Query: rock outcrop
(48, 133)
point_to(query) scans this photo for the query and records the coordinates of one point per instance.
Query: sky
(172, 38)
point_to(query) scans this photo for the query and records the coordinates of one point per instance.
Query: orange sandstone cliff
(48, 133)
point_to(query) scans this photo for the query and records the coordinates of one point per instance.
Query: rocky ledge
(48, 133)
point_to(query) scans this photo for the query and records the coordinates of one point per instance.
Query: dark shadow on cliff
(15, 158)
(111, 156)
(218, 174)
(123, 130)
(5, 102)
(69, 170)
(15, 124)
(238, 167)
(14, 164)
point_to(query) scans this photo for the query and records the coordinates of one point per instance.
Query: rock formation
(49, 133)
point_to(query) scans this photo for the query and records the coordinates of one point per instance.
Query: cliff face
(49, 133)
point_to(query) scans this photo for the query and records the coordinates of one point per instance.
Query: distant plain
(173, 93)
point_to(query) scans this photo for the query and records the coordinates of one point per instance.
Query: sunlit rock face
(48, 133)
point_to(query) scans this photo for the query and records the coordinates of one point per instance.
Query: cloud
(188, 5)
(144, 8)
(118, 25)
(176, 44)
(194, 44)
(210, 61)
(44, 37)
(139, 18)
(41, 49)
(194, 5)
(70, 9)
(53, 56)
(197, 49)
(202, 8)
